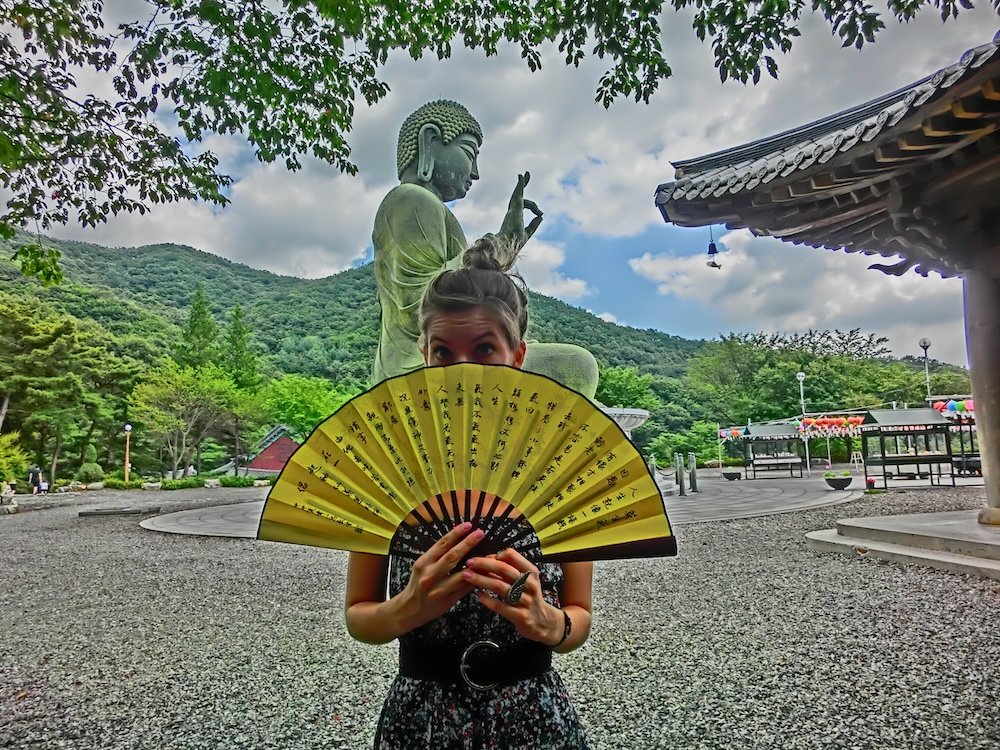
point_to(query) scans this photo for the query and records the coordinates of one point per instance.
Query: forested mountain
(325, 327)
(200, 354)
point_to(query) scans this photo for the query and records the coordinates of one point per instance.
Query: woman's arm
(430, 592)
(534, 617)
(577, 602)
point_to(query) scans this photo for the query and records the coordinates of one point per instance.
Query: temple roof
(914, 173)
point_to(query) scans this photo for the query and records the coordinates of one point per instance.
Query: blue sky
(603, 245)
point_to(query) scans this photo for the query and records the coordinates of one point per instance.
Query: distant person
(43, 486)
(35, 478)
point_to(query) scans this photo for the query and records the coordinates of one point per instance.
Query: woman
(476, 643)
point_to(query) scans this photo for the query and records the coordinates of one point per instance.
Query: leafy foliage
(185, 483)
(286, 75)
(13, 460)
(302, 402)
(228, 481)
(90, 472)
(199, 339)
(625, 387)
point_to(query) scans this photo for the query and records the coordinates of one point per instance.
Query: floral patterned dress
(534, 714)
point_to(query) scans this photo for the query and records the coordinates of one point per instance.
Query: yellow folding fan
(424, 451)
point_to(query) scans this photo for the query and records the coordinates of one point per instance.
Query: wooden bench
(774, 463)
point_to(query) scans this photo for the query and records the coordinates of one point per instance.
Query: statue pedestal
(627, 419)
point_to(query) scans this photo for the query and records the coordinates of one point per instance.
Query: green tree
(287, 74)
(17, 329)
(626, 388)
(238, 356)
(199, 344)
(701, 439)
(303, 402)
(180, 406)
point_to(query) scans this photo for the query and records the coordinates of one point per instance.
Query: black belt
(481, 665)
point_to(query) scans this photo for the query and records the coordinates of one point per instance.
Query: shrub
(228, 481)
(90, 454)
(13, 460)
(115, 483)
(187, 483)
(90, 472)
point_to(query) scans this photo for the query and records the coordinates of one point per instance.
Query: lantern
(951, 406)
(939, 405)
(970, 405)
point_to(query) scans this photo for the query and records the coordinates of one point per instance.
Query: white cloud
(539, 263)
(768, 285)
(592, 169)
(606, 316)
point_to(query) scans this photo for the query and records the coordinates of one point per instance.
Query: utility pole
(801, 377)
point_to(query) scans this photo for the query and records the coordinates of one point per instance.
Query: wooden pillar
(982, 331)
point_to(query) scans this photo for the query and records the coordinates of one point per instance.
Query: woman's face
(470, 335)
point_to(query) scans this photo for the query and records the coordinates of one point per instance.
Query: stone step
(830, 541)
(957, 532)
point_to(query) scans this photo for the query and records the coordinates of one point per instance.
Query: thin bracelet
(566, 631)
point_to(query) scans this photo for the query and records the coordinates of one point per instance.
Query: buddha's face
(455, 166)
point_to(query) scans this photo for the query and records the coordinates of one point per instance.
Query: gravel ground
(114, 637)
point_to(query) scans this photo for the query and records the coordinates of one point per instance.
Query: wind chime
(712, 250)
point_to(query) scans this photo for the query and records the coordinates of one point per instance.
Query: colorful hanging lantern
(970, 405)
(939, 405)
(951, 405)
(960, 406)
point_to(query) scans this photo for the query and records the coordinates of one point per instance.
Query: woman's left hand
(533, 617)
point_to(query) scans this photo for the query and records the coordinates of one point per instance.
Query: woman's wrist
(563, 628)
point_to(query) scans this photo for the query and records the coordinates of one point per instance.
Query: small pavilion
(912, 175)
(891, 444)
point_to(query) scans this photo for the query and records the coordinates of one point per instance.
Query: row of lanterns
(829, 423)
(953, 406)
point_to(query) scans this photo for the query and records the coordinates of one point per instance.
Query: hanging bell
(712, 252)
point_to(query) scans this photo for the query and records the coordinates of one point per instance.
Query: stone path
(718, 500)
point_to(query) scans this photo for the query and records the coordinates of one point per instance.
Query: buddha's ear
(429, 135)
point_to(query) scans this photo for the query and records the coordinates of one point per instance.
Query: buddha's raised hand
(513, 227)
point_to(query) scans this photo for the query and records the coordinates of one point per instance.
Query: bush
(228, 481)
(13, 460)
(89, 473)
(90, 454)
(115, 483)
(187, 483)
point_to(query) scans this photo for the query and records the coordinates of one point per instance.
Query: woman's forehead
(474, 321)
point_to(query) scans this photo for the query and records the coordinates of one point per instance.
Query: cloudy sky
(603, 245)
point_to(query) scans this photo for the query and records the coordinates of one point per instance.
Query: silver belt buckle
(463, 665)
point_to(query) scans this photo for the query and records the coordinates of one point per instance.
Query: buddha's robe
(415, 238)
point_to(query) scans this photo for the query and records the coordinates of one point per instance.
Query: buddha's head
(439, 148)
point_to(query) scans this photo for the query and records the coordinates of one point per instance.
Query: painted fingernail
(466, 525)
(478, 534)
(467, 575)
(472, 562)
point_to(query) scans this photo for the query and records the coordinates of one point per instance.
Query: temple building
(913, 175)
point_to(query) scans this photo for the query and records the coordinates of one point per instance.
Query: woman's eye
(442, 353)
(485, 350)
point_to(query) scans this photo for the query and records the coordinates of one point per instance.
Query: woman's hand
(432, 590)
(513, 227)
(533, 617)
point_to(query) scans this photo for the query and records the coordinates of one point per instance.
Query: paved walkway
(718, 500)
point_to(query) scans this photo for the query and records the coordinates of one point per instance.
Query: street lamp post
(128, 435)
(925, 344)
(801, 377)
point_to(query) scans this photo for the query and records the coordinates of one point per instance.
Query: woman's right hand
(432, 590)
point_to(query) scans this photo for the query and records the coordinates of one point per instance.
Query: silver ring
(517, 589)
